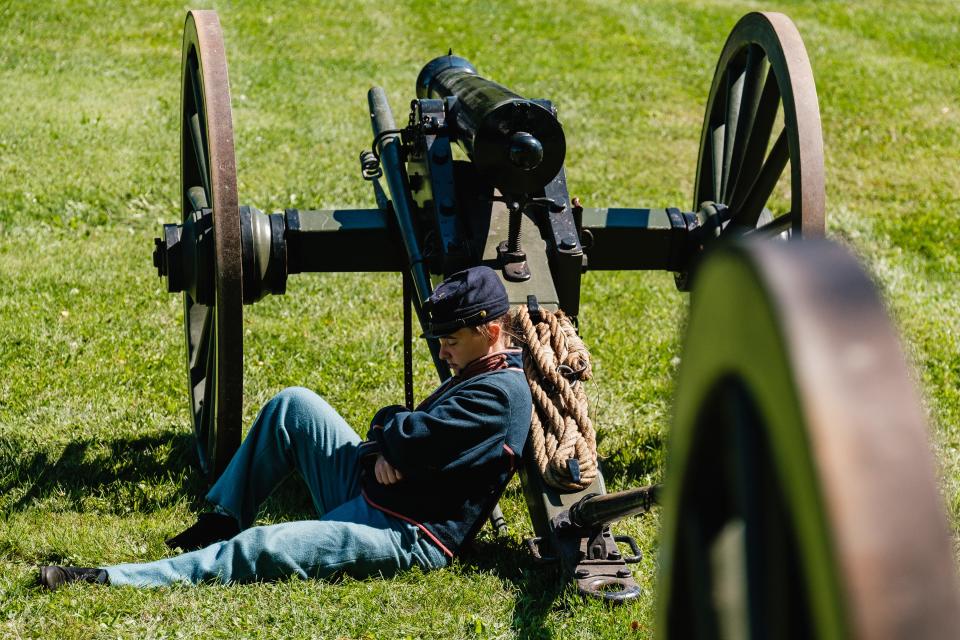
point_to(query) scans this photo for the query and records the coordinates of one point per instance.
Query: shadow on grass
(161, 470)
(538, 586)
(633, 467)
(150, 471)
(145, 474)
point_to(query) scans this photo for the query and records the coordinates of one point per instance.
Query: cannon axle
(184, 255)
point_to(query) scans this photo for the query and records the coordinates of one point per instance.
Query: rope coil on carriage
(556, 362)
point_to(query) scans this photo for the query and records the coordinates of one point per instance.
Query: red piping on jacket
(410, 520)
(513, 458)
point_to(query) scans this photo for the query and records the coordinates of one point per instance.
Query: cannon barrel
(515, 143)
(595, 510)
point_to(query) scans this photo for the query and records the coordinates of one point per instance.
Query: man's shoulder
(505, 388)
(509, 379)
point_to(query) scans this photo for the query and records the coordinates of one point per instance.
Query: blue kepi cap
(468, 298)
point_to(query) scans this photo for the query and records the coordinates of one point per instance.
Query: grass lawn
(96, 456)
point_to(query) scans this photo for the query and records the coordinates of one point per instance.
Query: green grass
(95, 453)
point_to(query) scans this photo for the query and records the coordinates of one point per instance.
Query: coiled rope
(555, 363)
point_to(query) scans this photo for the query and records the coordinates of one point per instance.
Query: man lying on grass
(414, 493)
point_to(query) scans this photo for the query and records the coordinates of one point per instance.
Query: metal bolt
(568, 243)
(623, 573)
(580, 574)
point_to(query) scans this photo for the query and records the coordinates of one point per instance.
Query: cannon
(762, 514)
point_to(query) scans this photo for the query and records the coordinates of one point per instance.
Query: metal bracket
(566, 252)
(591, 556)
(588, 552)
(437, 193)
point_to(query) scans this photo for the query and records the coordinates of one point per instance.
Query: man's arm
(464, 426)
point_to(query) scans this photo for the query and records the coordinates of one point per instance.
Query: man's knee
(299, 411)
(297, 397)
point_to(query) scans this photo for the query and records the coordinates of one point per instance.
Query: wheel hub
(184, 255)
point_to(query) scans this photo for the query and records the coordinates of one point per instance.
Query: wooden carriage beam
(341, 240)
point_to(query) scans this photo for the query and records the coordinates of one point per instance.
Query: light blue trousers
(296, 431)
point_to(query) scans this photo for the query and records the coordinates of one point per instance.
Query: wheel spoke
(698, 577)
(735, 82)
(717, 158)
(776, 226)
(204, 423)
(197, 124)
(706, 179)
(196, 137)
(199, 393)
(748, 214)
(749, 485)
(196, 92)
(729, 581)
(213, 370)
(757, 139)
(753, 75)
(199, 319)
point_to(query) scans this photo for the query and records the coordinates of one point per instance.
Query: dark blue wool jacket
(456, 452)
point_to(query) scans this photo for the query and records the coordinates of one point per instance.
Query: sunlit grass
(95, 452)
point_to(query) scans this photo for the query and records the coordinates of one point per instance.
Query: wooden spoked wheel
(762, 115)
(801, 499)
(213, 311)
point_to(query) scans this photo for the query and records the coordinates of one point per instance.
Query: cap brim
(442, 332)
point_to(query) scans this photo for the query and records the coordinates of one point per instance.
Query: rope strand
(555, 363)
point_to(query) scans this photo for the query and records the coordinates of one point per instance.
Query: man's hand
(385, 472)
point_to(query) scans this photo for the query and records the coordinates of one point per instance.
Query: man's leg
(354, 539)
(296, 430)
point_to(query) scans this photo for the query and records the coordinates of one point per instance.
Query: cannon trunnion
(760, 521)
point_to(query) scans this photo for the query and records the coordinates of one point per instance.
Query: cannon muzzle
(515, 143)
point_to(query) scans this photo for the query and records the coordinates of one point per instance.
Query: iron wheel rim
(213, 333)
(808, 348)
(763, 69)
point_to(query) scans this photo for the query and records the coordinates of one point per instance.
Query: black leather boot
(209, 528)
(53, 577)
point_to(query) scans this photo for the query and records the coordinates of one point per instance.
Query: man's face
(463, 347)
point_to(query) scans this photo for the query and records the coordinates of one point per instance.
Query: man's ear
(495, 330)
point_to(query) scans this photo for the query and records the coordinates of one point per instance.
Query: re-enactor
(414, 493)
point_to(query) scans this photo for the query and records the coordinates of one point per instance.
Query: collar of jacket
(487, 363)
(504, 359)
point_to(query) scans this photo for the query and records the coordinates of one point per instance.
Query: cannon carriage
(762, 517)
